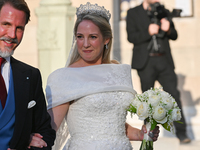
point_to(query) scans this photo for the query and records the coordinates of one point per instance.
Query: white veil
(62, 134)
(72, 51)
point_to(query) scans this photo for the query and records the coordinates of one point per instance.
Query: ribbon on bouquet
(146, 135)
(147, 142)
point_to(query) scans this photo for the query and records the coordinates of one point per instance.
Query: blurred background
(48, 37)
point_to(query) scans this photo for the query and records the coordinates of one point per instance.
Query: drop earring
(106, 45)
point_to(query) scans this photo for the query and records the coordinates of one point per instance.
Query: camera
(156, 12)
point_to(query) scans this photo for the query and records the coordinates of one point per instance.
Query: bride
(90, 95)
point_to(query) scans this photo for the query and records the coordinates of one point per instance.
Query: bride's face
(90, 42)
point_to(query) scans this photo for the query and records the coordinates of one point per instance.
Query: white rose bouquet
(155, 106)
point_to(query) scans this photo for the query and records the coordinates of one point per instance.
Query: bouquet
(155, 106)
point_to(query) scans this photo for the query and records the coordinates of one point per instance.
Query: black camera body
(156, 12)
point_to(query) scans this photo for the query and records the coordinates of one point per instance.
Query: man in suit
(24, 121)
(152, 55)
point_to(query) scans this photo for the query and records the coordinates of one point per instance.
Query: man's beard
(8, 52)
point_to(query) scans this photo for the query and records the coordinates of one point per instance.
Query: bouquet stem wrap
(147, 142)
(146, 136)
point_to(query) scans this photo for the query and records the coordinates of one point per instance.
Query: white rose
(150, 93)
(164, 94)
(168, 103)
(142, 110)
(159, 114)
(176, 114)
(154, 100)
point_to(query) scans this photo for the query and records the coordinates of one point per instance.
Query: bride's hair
(105, 30)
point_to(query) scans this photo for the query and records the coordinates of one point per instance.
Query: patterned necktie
(3, 91)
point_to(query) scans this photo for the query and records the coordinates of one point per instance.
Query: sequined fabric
(97, 122)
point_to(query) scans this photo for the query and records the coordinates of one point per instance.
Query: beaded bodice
(97, 122)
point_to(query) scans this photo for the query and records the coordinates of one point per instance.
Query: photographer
(152, 57)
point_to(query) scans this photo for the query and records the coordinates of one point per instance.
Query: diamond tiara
(93, 9)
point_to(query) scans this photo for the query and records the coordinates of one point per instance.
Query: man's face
(12, 25)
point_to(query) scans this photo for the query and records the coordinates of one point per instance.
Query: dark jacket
(137, 24)
(28, 87)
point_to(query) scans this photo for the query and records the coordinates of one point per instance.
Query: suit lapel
(21, 82)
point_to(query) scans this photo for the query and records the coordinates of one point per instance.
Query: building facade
(185, 50)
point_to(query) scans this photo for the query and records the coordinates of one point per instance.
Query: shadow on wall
(186, 96)
(188, 105)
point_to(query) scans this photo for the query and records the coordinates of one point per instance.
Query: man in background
(152, 54)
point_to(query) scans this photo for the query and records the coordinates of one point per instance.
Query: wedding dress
(99, 97)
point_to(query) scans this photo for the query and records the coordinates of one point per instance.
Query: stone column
(54, 34)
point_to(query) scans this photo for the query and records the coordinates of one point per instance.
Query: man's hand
(153, 134)
(165, 24)
(37, 141)
(153, 29)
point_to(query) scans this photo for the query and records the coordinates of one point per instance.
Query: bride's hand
(152, 134)
(37, 141)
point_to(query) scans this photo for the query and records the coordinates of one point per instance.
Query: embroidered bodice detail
(97, 122)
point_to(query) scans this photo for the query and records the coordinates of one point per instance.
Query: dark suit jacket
(137, 23)
(28, 87)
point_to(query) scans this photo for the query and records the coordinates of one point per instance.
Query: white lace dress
(96, 118)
